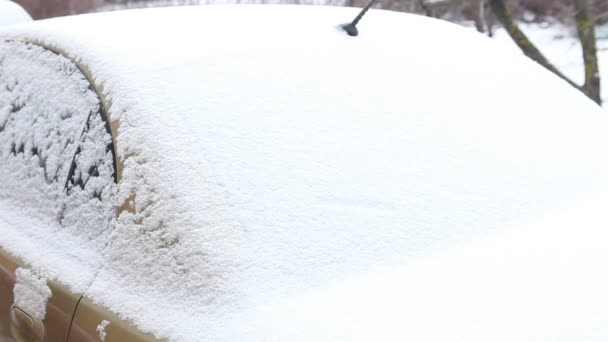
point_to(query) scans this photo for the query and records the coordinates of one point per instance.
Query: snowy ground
(560, 44)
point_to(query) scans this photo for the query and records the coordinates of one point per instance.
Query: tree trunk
(426, 8)
(586, 29)
(478, 15)
(503, 13)
(487, 17)
(585, 26)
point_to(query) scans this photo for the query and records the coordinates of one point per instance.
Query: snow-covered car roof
(280, 180)
(11, 13)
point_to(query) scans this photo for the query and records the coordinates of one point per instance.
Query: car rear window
(56, 153)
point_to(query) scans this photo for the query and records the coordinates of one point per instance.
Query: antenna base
(350, 29)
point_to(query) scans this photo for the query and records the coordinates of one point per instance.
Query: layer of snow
(89, 204)
(270, 161)
(44, 107)
(48, 113)
(515, 286)
(11, 13)
(31, 292)
(101, 329)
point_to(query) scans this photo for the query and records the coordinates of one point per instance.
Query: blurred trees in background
(41, 9)
(455, 10)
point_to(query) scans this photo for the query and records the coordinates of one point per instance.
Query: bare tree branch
(585, 26)
(503, 13)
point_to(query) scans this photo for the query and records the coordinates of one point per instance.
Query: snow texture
(101, 329)
(11, 13)
(31, 292)
(281, 180)
(89, 205)
(49, 114)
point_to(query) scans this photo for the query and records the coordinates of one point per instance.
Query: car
(11, 13)
(253, 172)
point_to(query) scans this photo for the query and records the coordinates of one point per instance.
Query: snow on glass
(56, 158)
(101, 329)
(31, 292)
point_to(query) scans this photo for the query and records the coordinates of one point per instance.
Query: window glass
(91, 184)
(56, 153)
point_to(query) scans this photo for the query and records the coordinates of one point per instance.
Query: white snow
(89, 207)
(31, 292)
(284, 181)
(11, 13)
(101, 329)
(515, 286)
(45, 103)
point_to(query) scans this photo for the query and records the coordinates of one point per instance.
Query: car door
(57, 168)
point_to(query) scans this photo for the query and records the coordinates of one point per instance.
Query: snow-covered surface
(31, 292)
(49, 113)
(39, 127)
(512, 286)
(283, 181)
(89, 202)
(11, 13)
(101, 329)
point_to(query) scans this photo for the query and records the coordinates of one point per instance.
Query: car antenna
(351, 28)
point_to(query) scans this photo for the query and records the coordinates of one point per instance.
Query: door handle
(25, 327)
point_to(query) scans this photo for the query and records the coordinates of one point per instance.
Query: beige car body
(70, 317)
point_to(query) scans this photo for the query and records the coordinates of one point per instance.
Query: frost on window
(48, 113)
(90, 189)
